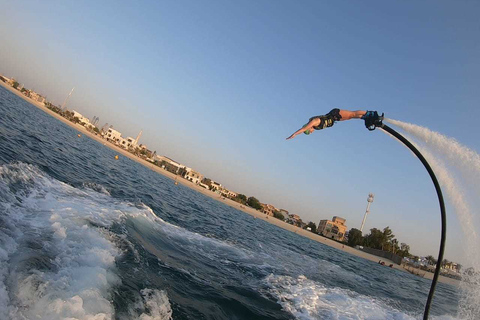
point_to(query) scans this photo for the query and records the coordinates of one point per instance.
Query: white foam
(56, 219)
(306, 299)
(157, 305)
(96, 187)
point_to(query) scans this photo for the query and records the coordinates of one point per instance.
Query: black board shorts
(334, 114)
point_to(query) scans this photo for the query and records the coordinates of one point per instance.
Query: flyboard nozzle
(373, 120)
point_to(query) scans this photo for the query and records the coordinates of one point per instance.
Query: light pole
(369, 202)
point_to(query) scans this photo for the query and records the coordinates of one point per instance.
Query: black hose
(442, 211)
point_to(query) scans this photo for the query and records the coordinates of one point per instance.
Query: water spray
(376, 121)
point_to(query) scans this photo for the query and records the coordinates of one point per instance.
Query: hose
(442, 210)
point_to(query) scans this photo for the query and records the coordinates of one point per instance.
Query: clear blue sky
(218, 85)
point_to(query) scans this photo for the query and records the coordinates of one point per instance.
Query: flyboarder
(327, 120)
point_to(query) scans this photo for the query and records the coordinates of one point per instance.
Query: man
(326, 121)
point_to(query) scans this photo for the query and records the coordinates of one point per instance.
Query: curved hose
(442, 211)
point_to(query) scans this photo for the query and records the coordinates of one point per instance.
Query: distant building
(131, 142)
(451, 266)
(228, 193)
(10, 81)
(81, 117)
(216, 187)
(112, 135)
(41, 99)
(193, 176)
(168, 164)
(122, 142)
(293, 219)
(268, 209)
(33, 95)
(334, 229)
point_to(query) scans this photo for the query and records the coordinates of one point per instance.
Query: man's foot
(372, 120)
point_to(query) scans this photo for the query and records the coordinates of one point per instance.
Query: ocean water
(83, 236)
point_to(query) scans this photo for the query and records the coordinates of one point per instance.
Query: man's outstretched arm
(308, 128)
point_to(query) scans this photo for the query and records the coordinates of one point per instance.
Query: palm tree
(431, 260)
(387, 238)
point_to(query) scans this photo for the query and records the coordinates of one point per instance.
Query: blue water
(84, 236)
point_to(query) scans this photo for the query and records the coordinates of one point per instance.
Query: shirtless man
(326, 121)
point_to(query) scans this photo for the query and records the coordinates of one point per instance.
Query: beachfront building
(10, 81)
(146, 153)
(125, 143)
(131, 142)
(450, 265)
(167, 164)
(203, 185)
(4, 79)
(333, 229)
(122, 142)
(193, 176)
(41, 99)
(228, 193)
(293, 219)
(216, 187)
(80, 117)
(158, 159)
(112, 135)
(31, 94)
(268, 209)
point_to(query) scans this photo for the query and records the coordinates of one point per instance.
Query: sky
(219, 85)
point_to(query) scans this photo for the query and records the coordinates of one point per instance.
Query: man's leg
(347, 115)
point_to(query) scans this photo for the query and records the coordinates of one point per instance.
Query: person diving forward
(326, 121)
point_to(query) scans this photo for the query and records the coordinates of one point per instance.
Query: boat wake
(79, 253)
(57, 254)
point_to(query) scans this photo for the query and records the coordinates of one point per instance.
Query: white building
(5, 79)
(193, 176)
(131, 142)
(125, 143)
(229, 193)
(81, 117)
(113, 135)
(216, 187)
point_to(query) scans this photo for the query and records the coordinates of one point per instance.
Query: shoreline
(256, 214)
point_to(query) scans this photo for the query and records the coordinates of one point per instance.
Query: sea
(85, 236)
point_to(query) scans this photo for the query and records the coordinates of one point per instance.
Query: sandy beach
(256, 214)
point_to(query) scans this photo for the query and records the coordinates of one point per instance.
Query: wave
(306, 299)
(57, 253)
(63, 255)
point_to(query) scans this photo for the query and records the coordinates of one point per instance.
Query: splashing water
(447, 156)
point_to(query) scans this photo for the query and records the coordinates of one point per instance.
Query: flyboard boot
(372, 120)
